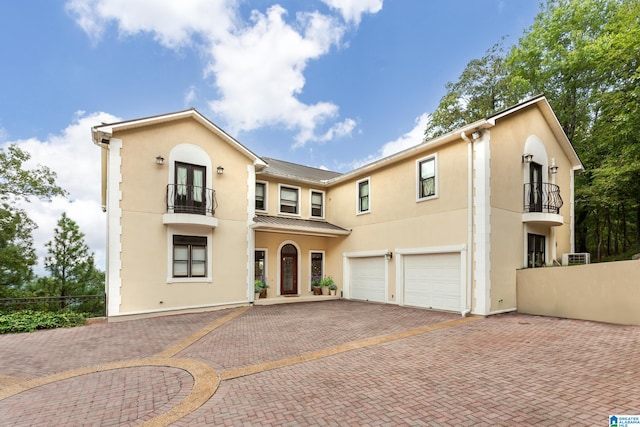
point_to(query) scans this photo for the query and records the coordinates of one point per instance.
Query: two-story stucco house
(194, 217)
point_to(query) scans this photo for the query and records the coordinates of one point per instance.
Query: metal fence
(93, 305)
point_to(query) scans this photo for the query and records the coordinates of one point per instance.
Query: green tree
(70, 263)
(19, 184)
(483, 88)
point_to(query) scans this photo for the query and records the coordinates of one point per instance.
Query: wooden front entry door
(288, 270)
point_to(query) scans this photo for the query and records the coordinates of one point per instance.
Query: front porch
(287, 299)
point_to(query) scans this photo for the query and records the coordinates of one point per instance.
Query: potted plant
(325, 283)
(316, 288)
(260, 288)
(333, 288)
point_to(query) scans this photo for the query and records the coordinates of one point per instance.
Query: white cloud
(409, 139)
(190, 96)
(352, 10)
(76, 162)
(258, 64)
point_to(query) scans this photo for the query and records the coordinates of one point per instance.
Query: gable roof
(283, 169)
(103, 133)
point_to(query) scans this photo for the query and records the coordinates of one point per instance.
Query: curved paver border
(205, 383)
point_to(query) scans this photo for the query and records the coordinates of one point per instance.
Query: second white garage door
(432, 281)
(367, 278)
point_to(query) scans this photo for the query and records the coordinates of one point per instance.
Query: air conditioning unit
(576, 258)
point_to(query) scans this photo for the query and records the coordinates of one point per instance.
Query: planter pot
(317, 290)
(263, 293)
(257, 295)
(333, 292)
(325, 290)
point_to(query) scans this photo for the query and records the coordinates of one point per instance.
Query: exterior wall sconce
(160, 160)
(220, 170)
(388, 255)
(553, 168)
(527, 158)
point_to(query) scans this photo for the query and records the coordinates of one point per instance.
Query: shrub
(29, 321)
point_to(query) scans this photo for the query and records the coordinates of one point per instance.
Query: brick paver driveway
(332, 363)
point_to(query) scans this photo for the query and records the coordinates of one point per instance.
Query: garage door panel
(432, 281)
(367, 278)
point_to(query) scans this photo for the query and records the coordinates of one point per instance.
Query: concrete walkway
(322, 363)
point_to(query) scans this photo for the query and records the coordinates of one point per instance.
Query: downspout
(464, 136)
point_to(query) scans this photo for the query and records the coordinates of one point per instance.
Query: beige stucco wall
(146, 241)
(397, 220)
(605, 292)
(508, 176)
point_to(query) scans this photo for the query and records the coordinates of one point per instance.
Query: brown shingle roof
(298, 226)
(295, 171)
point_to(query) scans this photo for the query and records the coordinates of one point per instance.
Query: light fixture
(159, 160)
(220, 170)
(388, 255)
(553, 168)
(527, 158)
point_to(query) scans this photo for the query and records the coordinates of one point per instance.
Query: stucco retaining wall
(605, 292)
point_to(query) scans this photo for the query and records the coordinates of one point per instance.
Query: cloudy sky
(325, 83)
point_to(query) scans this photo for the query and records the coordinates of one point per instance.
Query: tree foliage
(70, 263)
(19, 183)
(584, 55)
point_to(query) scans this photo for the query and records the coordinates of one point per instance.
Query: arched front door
(288, 270)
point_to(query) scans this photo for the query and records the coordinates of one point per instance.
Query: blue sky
(333, 83)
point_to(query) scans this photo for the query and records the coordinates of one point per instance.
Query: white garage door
(432, 281)
(366, 278)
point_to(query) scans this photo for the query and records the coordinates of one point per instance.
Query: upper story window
(190, 191)
(290, 200)
(364, 195)
(317, 204)
(427, 178)
(261, 196)
(189, 256)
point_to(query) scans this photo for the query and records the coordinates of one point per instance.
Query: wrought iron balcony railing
(542, 197)
(191, 199)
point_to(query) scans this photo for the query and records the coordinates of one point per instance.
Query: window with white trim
(427, 182)
(289, 200)
(189, 256)
(317, 267)
(317, 204)
(261, 196)
(364, 195)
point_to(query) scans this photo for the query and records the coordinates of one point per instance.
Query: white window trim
(206, 279)
(266, 197)
(324, 198)
(358, 211)
(266, 263)
(324, 261)
(437, 180)
(298, 189)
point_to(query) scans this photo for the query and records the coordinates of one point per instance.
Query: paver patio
(329, 363)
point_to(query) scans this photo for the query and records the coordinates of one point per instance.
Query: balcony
(190, 205)
(542, 203)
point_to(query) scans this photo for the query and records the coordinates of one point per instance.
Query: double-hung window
(261, 196)
(364, 195)
(189, 256)
(427, 178)
(289, 200)
(317, 204)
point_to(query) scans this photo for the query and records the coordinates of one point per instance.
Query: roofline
(102, 134)
(290, 229)
(539, 100)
